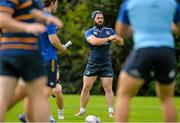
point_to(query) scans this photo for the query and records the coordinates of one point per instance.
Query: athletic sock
(60, 111)
(83, 110)
(110, 109)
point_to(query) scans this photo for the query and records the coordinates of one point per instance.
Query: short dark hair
(47, 3)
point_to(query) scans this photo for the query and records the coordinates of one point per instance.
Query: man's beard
(99, 25)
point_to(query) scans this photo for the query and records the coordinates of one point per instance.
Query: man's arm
(122, 25)
(39, 16)
(123, 30)
(99, 41)
(56, 43)
(7, 22)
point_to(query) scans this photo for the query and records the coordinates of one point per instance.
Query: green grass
(144, 109)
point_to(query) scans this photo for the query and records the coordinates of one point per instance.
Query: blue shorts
(99, 69)
(29, 67)
(51, 69)
(152, 64)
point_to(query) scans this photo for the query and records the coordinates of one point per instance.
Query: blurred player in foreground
(50, 46)
(16, 51)
(152, 55)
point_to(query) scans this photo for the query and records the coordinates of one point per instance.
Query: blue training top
(48, 51)
(99, 53)
(151, 21)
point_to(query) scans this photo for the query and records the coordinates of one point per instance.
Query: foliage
(76, 15)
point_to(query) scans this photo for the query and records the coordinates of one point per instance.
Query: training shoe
(111, 114)
(80, 114)
(22, 118)
(51, 119)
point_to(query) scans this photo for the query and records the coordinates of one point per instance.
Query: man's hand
(112, 37)
(63, 49)
(119, 40)
(116, 39)
(35, 28)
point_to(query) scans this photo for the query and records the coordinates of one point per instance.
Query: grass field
(144, 109)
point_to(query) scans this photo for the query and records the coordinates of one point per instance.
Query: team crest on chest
(95, 33)
(107, 33)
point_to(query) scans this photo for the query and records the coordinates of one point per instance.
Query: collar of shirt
(98, 29)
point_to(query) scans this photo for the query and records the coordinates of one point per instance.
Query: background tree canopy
(76, 15)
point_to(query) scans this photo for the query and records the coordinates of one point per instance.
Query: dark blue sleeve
(38, 4)
(177, 15)
(88, 33)
(112, 32)
(51, 29)
(123, 13)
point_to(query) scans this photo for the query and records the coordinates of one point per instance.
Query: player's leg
(106, 75)
(132, 76)
(166, 93)
(165, 74)
(90, 76)
(34, 76)
(107, 85)
(88, 82)
(40, 106)
(28, 110)
(59, 100)
(28, 114)
(20, 93)
(8, 82)
(85, 93)
(127, 87)
(7, 87)
(49, 66)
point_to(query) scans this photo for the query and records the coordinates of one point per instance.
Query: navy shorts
(29, 67)
(152, 64)
(51, 69)
(99, 69)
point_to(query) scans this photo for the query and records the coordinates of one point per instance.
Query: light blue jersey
(151, 21)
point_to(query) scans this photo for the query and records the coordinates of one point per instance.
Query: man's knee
(58, 89)
(108, 88)
(86, 89)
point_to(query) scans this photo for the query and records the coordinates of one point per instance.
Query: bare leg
(7, 88)
(166, 93)
(127, 87)
(28, 109)
(40, 106)
(107, 85)
(85, 93)
(59, 100)
(20, 93)
(59, 96)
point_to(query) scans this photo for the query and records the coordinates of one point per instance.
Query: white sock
(110, 109)
(60, 111)
(82, 109)
(51, 117)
